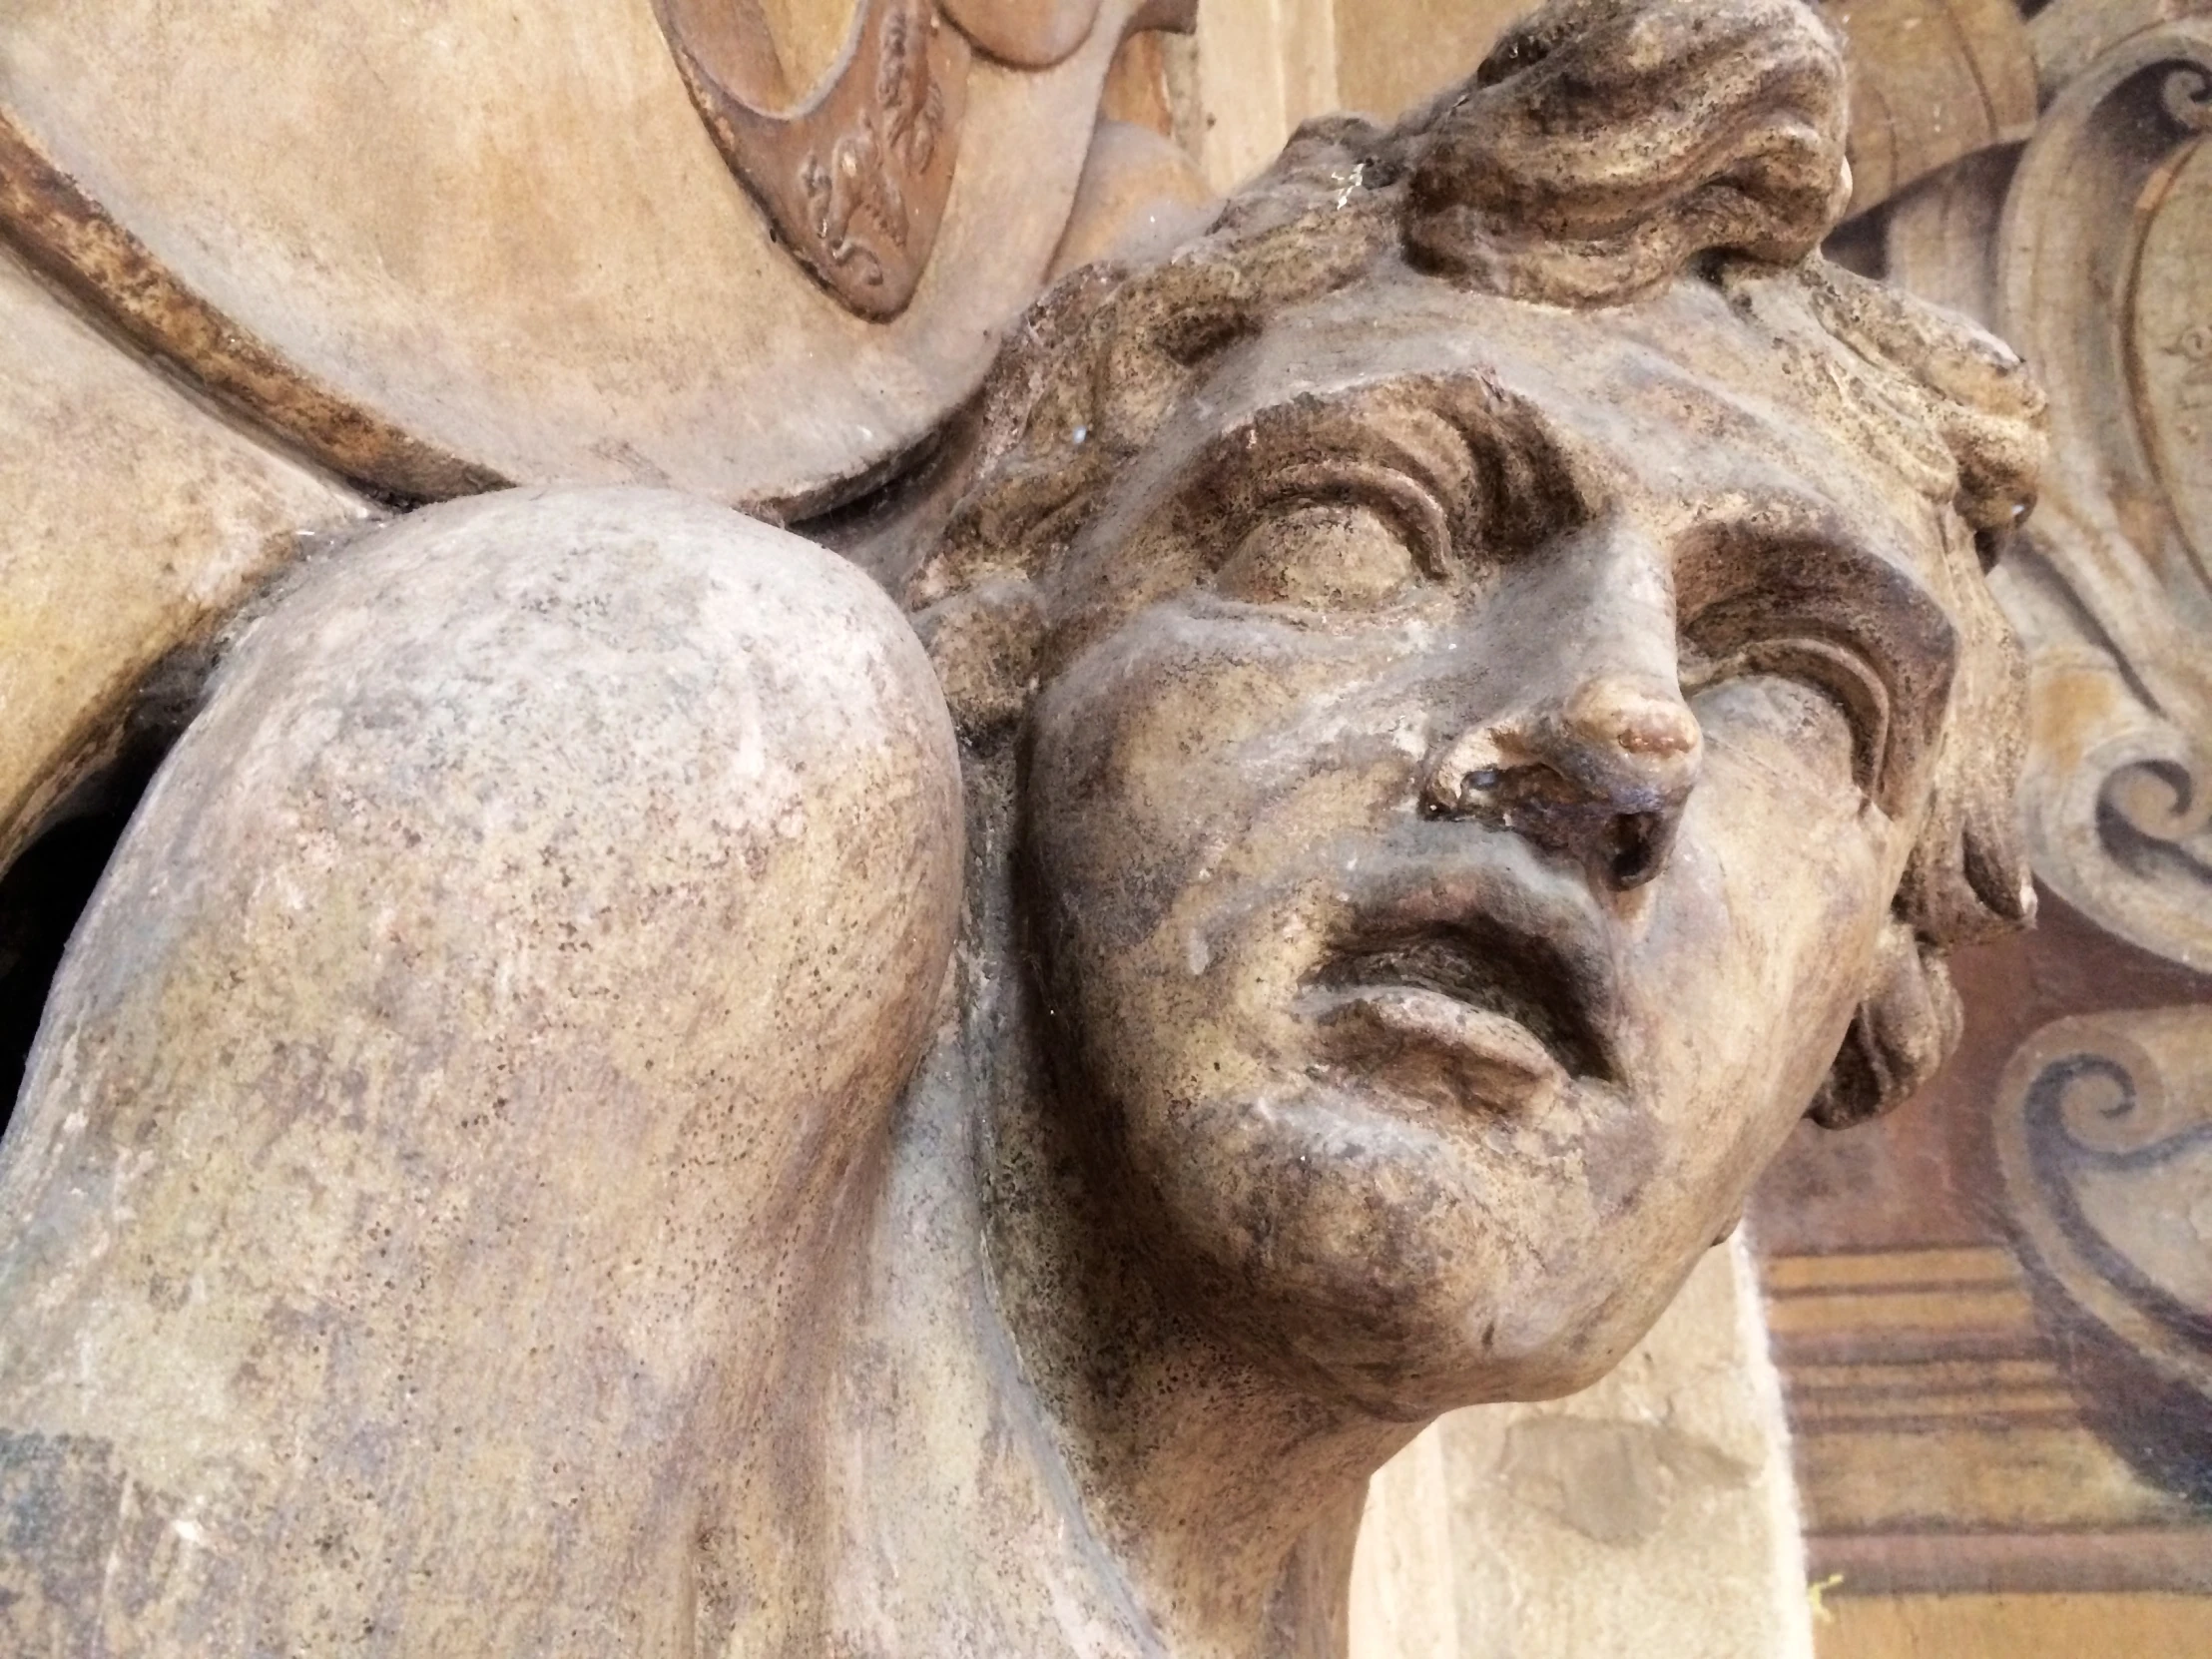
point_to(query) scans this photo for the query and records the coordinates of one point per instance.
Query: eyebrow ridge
(1505, 479)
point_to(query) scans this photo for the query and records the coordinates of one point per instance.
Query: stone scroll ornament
(2047, 170)
(2104, 238)
(2103, 1130)
(628, 1091)
(2088, 246)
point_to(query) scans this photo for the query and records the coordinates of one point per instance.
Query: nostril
(1453, 792)
(1639, 844)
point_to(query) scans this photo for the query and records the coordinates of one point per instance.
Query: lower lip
(1490, 1060)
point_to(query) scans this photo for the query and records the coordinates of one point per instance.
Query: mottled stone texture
(465, 1057)
(1476, 709)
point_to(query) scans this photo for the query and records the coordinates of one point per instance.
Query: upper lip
(1471, 915)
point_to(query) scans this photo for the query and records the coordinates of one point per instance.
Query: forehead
(1673, 404)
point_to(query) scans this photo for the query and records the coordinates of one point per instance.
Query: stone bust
(614, 1101)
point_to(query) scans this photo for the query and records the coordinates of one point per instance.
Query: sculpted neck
(1228, 1495)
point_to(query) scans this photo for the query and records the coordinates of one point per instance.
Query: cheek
(1762, 933)
(1190, 756)
(1187, 782)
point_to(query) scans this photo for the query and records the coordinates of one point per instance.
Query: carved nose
(1602, 773)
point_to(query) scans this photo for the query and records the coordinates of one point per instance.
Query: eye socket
(1328, 556)
(1841, 674)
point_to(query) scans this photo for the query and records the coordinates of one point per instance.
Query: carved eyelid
(1495, 452)
(1841, 671)
(1398, 500)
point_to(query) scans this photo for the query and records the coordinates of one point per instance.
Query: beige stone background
(1652, 1514)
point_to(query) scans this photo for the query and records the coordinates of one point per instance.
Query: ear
(1904, 1031)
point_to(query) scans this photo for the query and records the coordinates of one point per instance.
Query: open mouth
(1470, 1012)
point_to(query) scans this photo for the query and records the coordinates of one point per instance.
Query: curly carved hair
(1606, 149)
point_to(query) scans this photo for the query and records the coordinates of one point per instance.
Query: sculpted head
(1503, 711)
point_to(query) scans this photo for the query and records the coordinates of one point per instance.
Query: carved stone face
(1480, 752)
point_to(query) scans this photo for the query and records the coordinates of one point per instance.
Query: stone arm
(444, 1119)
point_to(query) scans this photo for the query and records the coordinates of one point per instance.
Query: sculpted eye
(1323, 555)
(1856, 700)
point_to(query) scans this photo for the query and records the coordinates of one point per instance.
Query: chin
(1389, 1265)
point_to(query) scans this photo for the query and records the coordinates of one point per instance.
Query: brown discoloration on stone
(1443, 774)
(854, 178)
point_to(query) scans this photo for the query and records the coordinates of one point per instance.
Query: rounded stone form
(530, 939)
(512, 250)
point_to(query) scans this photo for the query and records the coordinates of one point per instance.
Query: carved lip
(1455, 977)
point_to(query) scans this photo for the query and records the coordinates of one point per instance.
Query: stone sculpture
(596, 1111)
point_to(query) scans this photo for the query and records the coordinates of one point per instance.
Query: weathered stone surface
(1932, 80)
(1257, 68)
(1392, 54)
(504, 246)
(132, 521)
(458, 1084)
(1477, 708)
(1141, 195)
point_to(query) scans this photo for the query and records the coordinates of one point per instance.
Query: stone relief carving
(2113, 190)
(2104, 1127)
(619, 1096)
(855, 180)
(854, 173)
(2084, 250)
(508, 250)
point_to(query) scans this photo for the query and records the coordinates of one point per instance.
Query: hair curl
(1604, 148)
